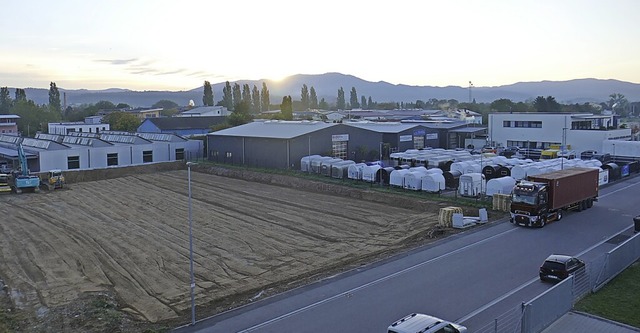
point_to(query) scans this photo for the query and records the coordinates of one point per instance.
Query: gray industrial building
(80, 151)
(282, 144)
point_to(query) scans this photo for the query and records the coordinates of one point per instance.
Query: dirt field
(128, 237)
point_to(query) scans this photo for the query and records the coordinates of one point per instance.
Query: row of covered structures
(436, 170)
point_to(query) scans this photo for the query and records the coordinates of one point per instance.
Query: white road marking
(382, 279)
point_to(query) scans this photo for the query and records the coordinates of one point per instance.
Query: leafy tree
(548, 104)
(54, 99)
(264, 97)
(502, 105)
(304, 94)
(286, 108)
(618, 103)
(122, 121)
(354, 98)
(341, 103)
(255, 100)
(370, 103)
(240, 115)
(227, 98)
(237, 95)
(207, 99)
(5, 100)
(363, 102)
(21, 95)
(323, 105)
(165, 104)
(169, 108)
(105, 105)
(246, 95)
(33, 118)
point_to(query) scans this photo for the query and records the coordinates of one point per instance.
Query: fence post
(524, 325)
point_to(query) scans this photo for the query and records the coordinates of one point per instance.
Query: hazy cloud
(117, 61)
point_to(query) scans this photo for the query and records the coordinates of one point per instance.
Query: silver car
(417, 322)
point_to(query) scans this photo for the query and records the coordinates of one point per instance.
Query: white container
(471, 184)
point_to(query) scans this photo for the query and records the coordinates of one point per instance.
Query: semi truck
(542, 198)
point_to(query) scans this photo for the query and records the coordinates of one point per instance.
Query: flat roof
(274, 129)
(384, 127)
(468, 130)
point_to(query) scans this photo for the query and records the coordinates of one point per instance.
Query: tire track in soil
(250, 236)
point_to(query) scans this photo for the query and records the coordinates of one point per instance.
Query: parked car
(489, 149)
(587, 154)
(558, 267)
(417, 322)
(510, 151)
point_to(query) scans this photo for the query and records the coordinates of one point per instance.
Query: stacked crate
(501, 202)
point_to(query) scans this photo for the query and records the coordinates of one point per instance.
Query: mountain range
(327, 85)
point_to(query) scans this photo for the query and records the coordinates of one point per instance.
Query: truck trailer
(542, 198)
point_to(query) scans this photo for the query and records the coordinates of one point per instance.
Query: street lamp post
(193, 283)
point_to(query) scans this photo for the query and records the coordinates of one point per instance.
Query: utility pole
(470, 86)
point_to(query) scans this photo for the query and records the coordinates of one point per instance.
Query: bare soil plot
(129, 236)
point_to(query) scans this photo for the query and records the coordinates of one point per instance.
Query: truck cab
(529, 203)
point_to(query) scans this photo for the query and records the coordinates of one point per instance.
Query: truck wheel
(579, 206)
(559, 215)
(584, 205)
(543, 221)
(589, 203)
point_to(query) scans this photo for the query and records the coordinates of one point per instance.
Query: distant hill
(327, 85)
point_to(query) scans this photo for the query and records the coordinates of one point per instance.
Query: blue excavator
(21, 180)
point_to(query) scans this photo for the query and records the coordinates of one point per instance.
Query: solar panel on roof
(78, 140)
(118, 138)
(9, 138)
(36, 143)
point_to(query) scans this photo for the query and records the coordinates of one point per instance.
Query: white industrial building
(580, 131)
(96, 151)
(89, 125)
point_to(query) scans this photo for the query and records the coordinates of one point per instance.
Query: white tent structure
(340, 170)
(325, 166)
(502, 185)
(413, 179)
(305, 162)
(369, 173)
(355, 171)
(433, 182)
(396, 178)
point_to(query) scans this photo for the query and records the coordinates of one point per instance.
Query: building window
(73, 162)
(340, 149)
(112, 159)
(506, 123)
(528, 124)
(180, 154)
(147, 156)
(227, 154)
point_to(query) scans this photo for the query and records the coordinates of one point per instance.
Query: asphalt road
(470, 278)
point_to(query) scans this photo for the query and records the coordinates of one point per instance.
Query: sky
(177, 45)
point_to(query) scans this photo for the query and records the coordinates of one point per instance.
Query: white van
(417, 322)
